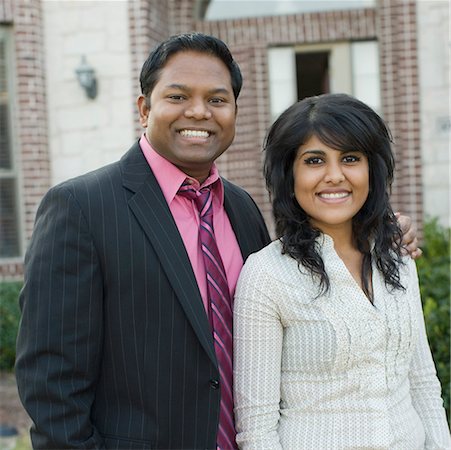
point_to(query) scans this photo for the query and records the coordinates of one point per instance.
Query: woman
(330, 344)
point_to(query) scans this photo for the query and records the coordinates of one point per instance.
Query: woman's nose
(334, 174)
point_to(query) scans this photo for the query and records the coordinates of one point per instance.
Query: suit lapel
(240, 226)
(152, 212)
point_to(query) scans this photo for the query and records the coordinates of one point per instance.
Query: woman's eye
(351, 158)
(313, 160)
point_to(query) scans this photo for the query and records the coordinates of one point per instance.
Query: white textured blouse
(332, 372)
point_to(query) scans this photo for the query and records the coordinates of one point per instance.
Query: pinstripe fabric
(114, 348)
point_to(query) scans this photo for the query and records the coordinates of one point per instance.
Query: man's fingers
(409, 238)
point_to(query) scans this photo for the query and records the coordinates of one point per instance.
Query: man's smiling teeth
(333, 194)
(194, 133)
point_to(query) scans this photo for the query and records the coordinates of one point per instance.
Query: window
(232, 9)
(297, 72)
(9, 230)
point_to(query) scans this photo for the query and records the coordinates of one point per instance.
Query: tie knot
(201, 197)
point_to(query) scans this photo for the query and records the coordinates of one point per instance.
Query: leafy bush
(9, 321)
(434, 274)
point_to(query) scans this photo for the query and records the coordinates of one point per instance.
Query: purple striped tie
(219, 310)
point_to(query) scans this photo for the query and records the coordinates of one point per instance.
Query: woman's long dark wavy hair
(343, 123)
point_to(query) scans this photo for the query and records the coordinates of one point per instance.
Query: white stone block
(436, 203)
(366, 89)
(93, 116)
(88, 42)
(436, 174)
(365, 58)
(66, 167)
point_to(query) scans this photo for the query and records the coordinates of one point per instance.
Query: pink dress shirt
(186, 217)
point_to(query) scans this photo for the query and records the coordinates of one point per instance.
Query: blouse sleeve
(424, 384)
(257, 366)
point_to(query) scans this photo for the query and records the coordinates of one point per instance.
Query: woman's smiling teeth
(194, 133)
(333, 194)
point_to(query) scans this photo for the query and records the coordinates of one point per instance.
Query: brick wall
(6, 11)
(259, 34)
(149, 24)
(30, 114)
(397, 34)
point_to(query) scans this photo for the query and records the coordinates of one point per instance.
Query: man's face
(190, 118)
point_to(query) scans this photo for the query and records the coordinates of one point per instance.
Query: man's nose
(198, 109)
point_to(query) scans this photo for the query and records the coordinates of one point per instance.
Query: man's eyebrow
(181, 87)
(185, 88)
(219, 90)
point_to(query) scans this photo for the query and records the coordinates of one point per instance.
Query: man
(118, 345)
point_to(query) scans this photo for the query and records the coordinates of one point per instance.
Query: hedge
(434, 274)
(9, 321)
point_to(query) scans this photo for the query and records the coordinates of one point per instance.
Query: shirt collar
(170, 177)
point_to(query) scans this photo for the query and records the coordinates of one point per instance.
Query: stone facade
(434, 74)
(87, 133)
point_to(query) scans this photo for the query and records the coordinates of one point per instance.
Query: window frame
(344, 76)
(6, 38)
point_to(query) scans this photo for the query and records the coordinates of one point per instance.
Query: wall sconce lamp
(87, 78)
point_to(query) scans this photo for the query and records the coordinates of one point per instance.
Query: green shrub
(9, 321)
(434, 274)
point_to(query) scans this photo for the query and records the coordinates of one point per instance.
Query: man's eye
(216, 100)
(176, 97)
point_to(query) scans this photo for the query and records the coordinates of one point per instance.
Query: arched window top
(233, 9)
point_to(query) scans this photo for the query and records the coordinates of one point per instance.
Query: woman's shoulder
(267, 256)
(272, 263)
(277, 277)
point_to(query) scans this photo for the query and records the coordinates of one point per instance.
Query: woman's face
(330, 185)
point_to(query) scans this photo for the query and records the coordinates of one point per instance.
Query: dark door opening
(312, 71)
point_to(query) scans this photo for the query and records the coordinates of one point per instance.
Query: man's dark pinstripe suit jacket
(114, 348)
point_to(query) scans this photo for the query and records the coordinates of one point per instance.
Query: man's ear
(144, 109)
